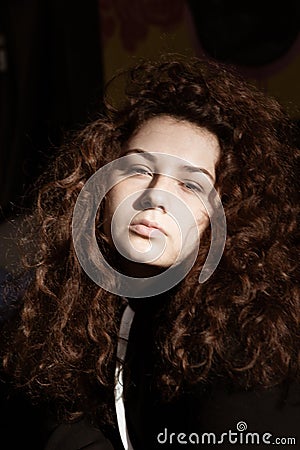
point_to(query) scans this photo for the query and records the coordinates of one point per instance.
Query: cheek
(201, 217)
(112, 200)
(118, 194)
(109, 208)
(203, 223)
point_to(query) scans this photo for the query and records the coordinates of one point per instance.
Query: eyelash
(189, 186)
(192, 187)
(139, 171)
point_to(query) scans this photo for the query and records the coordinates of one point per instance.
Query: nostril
(153, 198)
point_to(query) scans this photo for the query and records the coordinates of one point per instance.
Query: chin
(140, 269)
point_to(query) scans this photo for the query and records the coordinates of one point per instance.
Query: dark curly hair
(243, 322)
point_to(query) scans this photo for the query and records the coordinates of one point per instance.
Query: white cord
(125, 326)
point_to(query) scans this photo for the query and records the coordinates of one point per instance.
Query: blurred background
(56, 55)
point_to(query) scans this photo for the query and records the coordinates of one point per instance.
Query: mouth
(146, 228)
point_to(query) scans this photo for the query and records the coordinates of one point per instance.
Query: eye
(140, 170)
(192, 187)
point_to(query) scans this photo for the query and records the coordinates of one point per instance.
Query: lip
(146, 228)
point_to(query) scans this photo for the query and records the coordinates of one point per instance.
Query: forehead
(178, 138)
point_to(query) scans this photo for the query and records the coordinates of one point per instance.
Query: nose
(157, 195)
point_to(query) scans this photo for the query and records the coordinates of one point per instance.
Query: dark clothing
(216, 407)
(80, 435)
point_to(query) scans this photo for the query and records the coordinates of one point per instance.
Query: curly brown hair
(244, 321)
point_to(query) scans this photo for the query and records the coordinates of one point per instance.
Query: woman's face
(170, 168)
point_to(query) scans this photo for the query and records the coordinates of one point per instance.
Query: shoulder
(76, 436)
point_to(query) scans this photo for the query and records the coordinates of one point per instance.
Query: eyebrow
(193, 169)
(189, 168)
(147, 155)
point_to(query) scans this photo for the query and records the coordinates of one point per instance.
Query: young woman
(213, 362)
